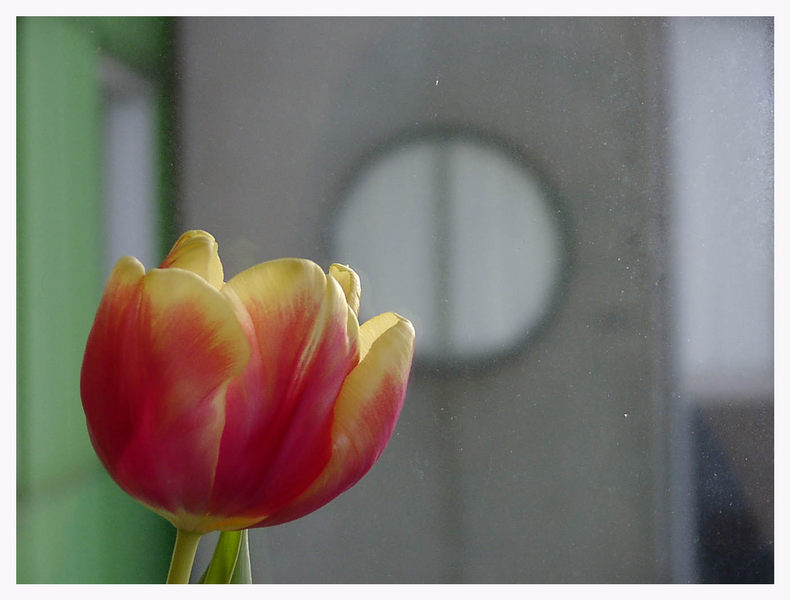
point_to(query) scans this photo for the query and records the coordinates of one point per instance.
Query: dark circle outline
(486, 362)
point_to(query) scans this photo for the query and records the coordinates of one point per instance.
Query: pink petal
(365, 414)
(304, 341)
(162, 350)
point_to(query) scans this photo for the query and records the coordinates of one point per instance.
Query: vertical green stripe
(59, 240)
(167, 141)
(59, 248)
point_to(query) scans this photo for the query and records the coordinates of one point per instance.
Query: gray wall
(547, 466)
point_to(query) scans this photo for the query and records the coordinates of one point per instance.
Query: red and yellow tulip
(225, 406)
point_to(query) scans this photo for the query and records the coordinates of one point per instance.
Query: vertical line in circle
(443, 245)
(446, 408)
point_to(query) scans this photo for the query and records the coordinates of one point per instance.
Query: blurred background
(576, 213)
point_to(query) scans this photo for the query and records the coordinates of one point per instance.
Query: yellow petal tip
(197, 251)
(349, 281)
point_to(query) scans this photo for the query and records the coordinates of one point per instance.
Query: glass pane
(576, 214)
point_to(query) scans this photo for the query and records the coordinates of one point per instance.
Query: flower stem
(183, 556)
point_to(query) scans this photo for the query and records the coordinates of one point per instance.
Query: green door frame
(73, 523)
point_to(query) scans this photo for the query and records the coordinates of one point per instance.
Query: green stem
(183, 556)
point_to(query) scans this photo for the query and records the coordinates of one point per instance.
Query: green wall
(73, 523)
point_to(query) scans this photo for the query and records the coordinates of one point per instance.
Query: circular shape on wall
(457, 233)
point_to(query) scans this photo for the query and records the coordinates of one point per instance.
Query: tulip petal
(365, 414)
(157, 362)
(109, 427)
(304, 341)
(197, 251)
(349, 281)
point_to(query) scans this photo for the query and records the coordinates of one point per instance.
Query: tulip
(226, 406)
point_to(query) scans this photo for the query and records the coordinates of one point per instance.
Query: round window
(458, 234)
